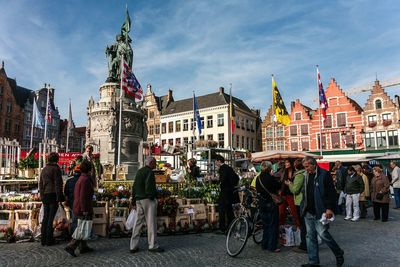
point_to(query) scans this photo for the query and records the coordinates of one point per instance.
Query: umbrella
(280, 154)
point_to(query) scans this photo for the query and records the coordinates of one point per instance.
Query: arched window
(378, 104)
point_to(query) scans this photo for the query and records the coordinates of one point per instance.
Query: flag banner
(196, 118)
(37, 116)
(323, 104)
(280, 111)
(232, 113)
(130, 84)
(48, 108)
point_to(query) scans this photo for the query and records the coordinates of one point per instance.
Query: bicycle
(247, 222)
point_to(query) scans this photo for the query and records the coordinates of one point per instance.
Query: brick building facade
(273, 135)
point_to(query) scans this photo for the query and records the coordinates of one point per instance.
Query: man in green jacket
(144, 195)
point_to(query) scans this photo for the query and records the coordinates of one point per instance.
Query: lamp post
(351, 133)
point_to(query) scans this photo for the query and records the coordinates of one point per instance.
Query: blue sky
(202, 45)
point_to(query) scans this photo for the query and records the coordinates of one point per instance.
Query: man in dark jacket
(51, 193)
(319, 197)
(341, 174)
(228, 181)
(144, 194)
(353, 188)
(69, 195)
(83, 205)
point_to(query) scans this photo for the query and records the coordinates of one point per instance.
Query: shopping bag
(297, 237)
(289, 237)
(130, 222)
(342, 198)
(83, 230)
(41, 214)
(60, 218)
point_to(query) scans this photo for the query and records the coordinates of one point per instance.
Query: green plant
(28, 163)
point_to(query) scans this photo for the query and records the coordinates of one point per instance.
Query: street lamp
(352, 143)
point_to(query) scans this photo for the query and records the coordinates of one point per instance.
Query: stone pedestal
(103, 123)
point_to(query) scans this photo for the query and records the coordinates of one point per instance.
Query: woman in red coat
(83, 207)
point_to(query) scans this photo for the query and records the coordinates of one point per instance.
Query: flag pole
(230, 118)
(194, 129)
(120, 113)
(319, 118)
(68, 126)
(273, 117)
(33, 121)
(46, 124)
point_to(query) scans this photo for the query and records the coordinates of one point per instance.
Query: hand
(329, 214)
(287, 182)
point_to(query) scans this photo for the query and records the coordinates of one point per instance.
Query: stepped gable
(333, 90)
(378, 92)
(297, 106)
(268, 119)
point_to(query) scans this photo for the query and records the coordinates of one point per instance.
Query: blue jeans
(270, 220)
(397, 196)
(314, 228)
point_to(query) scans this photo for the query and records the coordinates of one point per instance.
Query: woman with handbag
(267, 188)
(83, 210)
(380, 194)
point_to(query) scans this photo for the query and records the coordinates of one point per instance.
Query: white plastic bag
(297, 237)
(60, 215)
(342, 198)
(289, 237)
(83, 230)
(130, 222)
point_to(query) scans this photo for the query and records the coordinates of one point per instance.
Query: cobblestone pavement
(366, 243)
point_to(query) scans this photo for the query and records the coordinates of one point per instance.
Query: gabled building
(381, 120)
(300, 129)
(273, 134)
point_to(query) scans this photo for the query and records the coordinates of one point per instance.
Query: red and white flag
(129, 83)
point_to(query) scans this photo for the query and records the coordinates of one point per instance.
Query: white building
(177, 122)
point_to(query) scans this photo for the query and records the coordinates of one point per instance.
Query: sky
(189, 45)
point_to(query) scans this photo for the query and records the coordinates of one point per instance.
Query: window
(163, 128)
(393, 138)
(279, 131)
(185, 125)
(192, 124)
(221, 140)
(210, 137)
(17, 128)
(293, 130)
(177, 126)
(372, 118)
(247, 143)
(323, 141)
(42, 104)
(237, 141)
(171, 142)
(171, 127)
(177, 141)
(269, 132)
(341, 119)
(185, 141)
(220, 119)
(151, 114)
(280, 145)
(386, 117)
(242, 142)
(370, 140)
(202, 122)
(333, 101)
(247, 125)
(151, 129)
(335, 140)
(163, 142)
(270, 145)
(297, 116)
(304, 129)
(237, 122)
(294, 145)
(201, 137)
(328, 121)
(305, 144)
(251, 144)
(209, 121)
(9, 107)
(158, 129)
(242, 123)
(378, 104)
(7, 126)
(381, 139)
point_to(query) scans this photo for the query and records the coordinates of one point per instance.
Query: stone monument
(103, 117)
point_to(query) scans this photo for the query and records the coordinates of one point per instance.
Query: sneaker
(134, 250)
(354, 219)
(347, 218)
(70, 251)
(86, 250)
(159, 250)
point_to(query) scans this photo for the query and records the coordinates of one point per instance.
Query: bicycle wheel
(258, 229)
(237, 236)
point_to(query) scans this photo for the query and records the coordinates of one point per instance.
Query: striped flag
(130, 84)
(48, 113)
(323, 104)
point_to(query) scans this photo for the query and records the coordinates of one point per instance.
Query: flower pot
(29, 173)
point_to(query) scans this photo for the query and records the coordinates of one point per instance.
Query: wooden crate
(161, 178)
(26, 219)
(191, 201)
(199, 211)
(100, 229)
(182, 219)
(6, 219)
(118, 216)
(100, 215)
(212, 213)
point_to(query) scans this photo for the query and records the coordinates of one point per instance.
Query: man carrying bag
(83, 211)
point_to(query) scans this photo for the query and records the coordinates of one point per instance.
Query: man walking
(319, 197)
(396, 183)
(353, 188)
(341, 174)
(228, 181)
(144, 193)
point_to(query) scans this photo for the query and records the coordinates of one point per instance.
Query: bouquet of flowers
(167, 207)
(211, 193)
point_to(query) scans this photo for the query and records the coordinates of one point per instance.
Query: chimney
(221, 90)
(170, 98)
(292, 104)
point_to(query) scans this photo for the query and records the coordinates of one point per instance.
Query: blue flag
(37, 117)
(196, 118)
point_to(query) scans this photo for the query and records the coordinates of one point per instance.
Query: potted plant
(27, 167)
(386, 122)
(372, 124)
